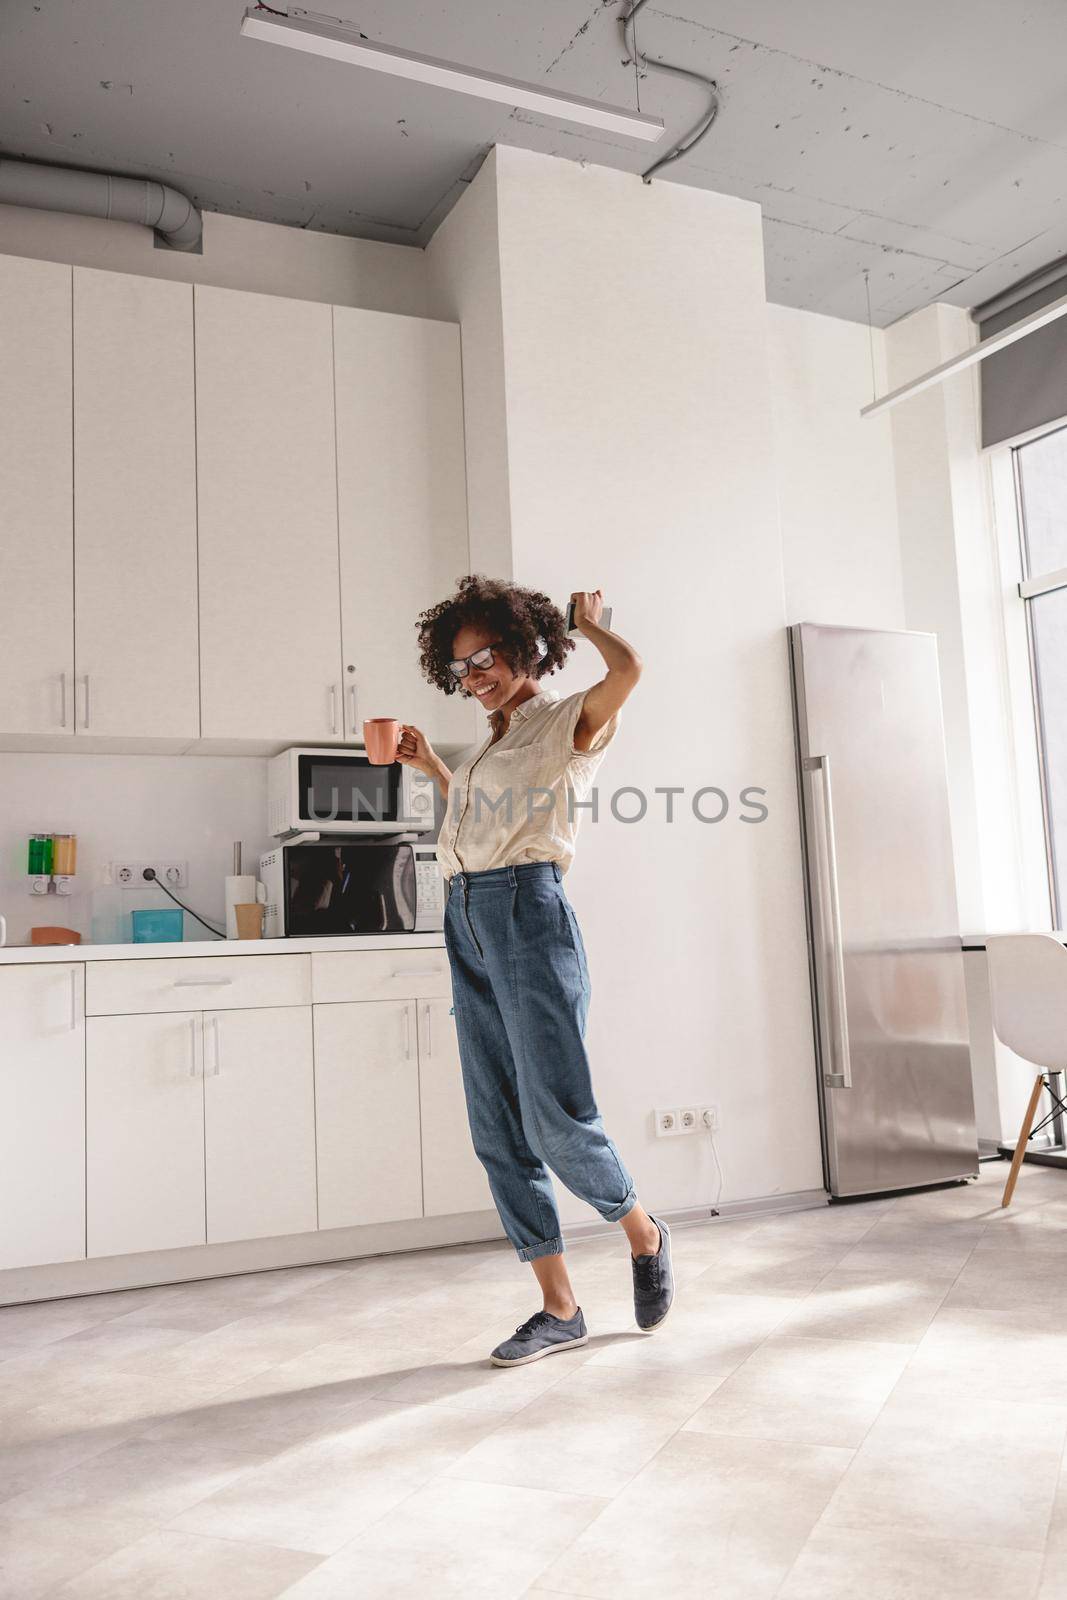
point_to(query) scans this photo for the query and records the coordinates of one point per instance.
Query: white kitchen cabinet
(42, 1115)
(367, 1112)
(270, 644)
(144, 1133)
(135, 507)
(453, 1179)
(402, 511)
(36, 500)
(312, 1095)
(380, 975)
(178, 983)
(211, 515)
(259, 1123)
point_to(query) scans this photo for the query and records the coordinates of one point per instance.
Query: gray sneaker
(540, 1335)
(653, 1282)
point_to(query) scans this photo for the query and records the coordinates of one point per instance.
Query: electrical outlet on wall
(686, 1119)
(131, 874)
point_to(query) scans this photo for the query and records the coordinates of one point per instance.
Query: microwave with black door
(340, 887)
(339, 791)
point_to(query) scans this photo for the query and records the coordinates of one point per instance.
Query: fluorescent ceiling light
(341, 41)
(970, 358)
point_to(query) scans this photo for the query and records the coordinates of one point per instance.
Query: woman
(520, 982)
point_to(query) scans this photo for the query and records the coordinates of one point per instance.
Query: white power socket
(686, 1119)
(130, 874)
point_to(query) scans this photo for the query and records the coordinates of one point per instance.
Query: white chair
(1028, 985)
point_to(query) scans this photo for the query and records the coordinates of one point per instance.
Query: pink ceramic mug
(381, 735)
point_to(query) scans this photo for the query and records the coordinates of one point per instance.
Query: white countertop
(14, 954)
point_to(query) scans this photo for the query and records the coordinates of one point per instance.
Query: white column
(960, 573)
(637, 422)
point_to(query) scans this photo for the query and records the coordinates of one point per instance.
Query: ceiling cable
(700, 129)
(634, 53)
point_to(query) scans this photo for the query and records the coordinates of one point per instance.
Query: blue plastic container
(158, 927)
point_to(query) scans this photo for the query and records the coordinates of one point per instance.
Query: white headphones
(542, 648)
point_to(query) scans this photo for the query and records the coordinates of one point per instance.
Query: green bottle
(39, 862)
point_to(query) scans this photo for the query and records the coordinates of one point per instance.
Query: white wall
(182, 808)
(640, 459)
(836, 488)
(237, 254)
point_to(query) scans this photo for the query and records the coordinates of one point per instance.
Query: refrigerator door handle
(841, 1076)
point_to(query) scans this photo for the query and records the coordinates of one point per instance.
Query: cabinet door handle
(218, 1046)
(85, 680)
(62, 699)
(407, 1033)
(333, 708)
(199, 983)
(352, 707)
(415, 972)
(73, 999)
(429, 1031)
(192, 1047)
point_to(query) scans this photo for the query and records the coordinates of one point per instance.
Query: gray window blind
(1024, 386)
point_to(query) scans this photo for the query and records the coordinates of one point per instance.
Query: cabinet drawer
(381, 975)
(219, 983)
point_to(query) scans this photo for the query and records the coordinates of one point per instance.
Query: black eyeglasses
(481, 658)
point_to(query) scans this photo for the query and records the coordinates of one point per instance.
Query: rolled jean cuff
(620, 1211)
(530, 1252)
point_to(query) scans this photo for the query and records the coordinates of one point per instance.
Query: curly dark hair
(516, 616)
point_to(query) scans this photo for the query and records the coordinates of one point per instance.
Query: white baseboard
(728, 1211)
(153, 1268)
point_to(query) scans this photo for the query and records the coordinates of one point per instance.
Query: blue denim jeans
(520, 986)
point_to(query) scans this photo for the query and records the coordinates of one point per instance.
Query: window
(1041, 480)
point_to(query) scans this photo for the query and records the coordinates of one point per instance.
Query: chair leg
(1024, 1134)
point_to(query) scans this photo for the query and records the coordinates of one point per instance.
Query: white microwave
(340, 791)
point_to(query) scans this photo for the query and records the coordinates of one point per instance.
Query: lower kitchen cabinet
(259, 1123)
(200, 1128)
(130, 1131)
(42, 1115)
(367, 1112)
(453, 1179)
(144, 1101)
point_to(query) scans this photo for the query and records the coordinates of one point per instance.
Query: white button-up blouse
(519, 799)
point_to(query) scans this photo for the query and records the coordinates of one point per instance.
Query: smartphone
(605, 617)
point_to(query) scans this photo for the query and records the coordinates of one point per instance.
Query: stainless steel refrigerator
(890, 1014)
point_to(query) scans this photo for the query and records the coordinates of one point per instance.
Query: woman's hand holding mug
(415, 750)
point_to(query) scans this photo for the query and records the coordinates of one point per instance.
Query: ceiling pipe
(99, 194)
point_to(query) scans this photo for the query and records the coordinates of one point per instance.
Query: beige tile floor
(866, 1400)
